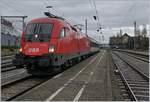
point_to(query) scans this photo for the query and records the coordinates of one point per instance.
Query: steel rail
(126, 83)
(140, 72)
(24, 90)
(144, 55)
(15, 81)
(133, 97)
(134, 55)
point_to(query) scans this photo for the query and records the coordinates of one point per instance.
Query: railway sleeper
(141, 93)
(142, 97)
(139, 88)
(139, 85)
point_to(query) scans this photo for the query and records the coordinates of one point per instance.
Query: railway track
(135, 82)
(7, 57)
(6, 63)
(137, 56)
(13, 76)
(8, 69)
(134, 53)
(140, 65)
(19, 87)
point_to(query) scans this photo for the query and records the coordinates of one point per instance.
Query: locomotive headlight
(51, 48)
(20, 49)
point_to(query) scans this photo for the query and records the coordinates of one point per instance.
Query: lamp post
(86, 27)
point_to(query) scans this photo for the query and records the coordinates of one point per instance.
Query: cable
(91, 4)
(97, 16)
(63, 15)
(129, 10)
(96, 13)
(12, 7)
(45, 3)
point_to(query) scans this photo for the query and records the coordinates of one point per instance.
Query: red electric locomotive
(50, 43)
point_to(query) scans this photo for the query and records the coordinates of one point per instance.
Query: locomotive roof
(52, 20)
(47, 20)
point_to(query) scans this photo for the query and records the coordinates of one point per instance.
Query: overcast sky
(113, 14)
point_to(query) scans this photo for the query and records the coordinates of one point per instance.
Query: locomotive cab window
(38, 32)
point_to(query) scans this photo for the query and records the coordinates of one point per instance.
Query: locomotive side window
(63, 33)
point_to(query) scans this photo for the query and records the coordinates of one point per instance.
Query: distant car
(116, 47)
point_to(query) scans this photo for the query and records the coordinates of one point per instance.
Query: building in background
(139, 41)
(9, 40)
(127, 42)
(8, 34)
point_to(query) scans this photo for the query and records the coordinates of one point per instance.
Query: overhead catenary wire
(91, 4)
(93, 10)
(127, 13)
(61, 14)
(45, 2)
(10, 6)
(97, 15)
(17, 9)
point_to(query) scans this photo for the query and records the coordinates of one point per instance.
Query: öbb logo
(33, 50)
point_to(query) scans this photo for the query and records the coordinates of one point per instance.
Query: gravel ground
(116, 91)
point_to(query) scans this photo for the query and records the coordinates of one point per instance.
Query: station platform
(89, 80)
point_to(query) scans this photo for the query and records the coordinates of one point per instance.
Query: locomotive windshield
(38, 32)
